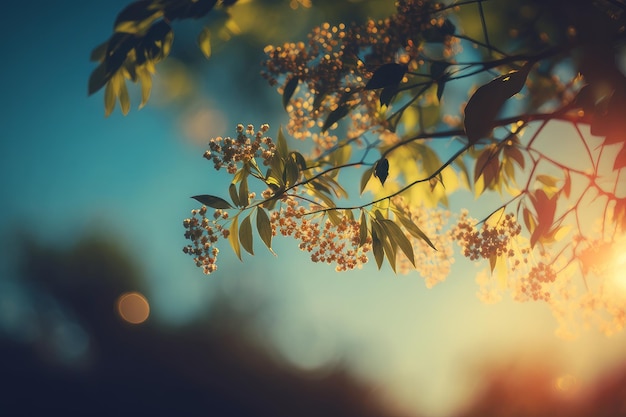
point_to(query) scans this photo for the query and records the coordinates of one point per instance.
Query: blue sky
(67, 170)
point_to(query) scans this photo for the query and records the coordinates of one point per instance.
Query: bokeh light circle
(133, 307)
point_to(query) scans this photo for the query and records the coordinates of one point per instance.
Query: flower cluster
(433, 265)
(336, 62)
(489, 241)
(203, 233)
(535, 284)
(325, 241)
(247, 145)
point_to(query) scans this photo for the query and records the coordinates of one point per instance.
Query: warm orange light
(133, 307)
(566, 383)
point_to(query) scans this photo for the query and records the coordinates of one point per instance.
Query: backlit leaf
(124, 98)
(399, 238)
(548, 180)
(363, 229)
(335, 219)
(281, 144)
(567, 186)
(415, 231)
(204, 42)
(245, 235)
(377, 248)
(212, 201)
(620, 159)
(264, 227)
(233, 237)
(365, 178)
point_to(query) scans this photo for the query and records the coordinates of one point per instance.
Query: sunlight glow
(133, 307)
(619, 274)
(565, 383)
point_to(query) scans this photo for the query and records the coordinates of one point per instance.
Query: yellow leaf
(233, 237)
(204, 42)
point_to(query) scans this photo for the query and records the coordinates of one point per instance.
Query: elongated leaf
(397, 236)
(291, 173)
(232, 190)
(415, 231)
(204, 42)
(289, 89)
(212, 201)
(264, 227)
(245, 235)
(334, 217)
(336, 115)
(281, 145)
(548, 180)
(123, 97)
(363, 229)
(377, 248)
(233, 237)
(365, 178)
(389, 246)
(387, 74)
(243, 195)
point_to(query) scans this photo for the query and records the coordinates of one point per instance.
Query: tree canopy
(392, 121)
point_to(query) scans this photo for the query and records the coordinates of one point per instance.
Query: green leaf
(381, 170)
(212, 201)
(232, 190)
(245, 235)
(264, 227)
(243, 195)
(485, 104)
(377, 247)
(389, 246)
(336, 115)
(233, 237)
(297, 156)
(398, 237)
(204, 42)
(335, 219)
(365, 178)
(291, 174)
(289, 89)
(385, 75)
(414, 230)
(363, 228)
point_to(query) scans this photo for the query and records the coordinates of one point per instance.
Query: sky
(68, 171)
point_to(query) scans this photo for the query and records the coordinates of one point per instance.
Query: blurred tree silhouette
(437, 99)
(211, 367)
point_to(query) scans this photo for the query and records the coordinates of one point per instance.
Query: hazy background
(81, 191)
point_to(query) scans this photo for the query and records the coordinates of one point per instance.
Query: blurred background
(101, 313)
